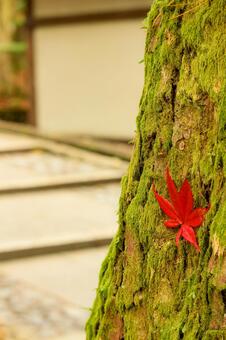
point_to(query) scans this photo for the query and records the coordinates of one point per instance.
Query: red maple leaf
(181, 210)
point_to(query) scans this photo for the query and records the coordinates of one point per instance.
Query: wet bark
(149, 288)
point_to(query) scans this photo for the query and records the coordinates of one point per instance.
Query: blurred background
(70, 83)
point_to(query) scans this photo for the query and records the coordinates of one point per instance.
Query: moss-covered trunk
(149, 288)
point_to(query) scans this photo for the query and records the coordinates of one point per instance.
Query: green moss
(160, 291)
(215, 335)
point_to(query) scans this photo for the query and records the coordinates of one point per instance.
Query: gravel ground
(49, 297)
(29, 313)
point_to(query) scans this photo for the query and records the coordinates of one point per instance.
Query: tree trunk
(149, 288)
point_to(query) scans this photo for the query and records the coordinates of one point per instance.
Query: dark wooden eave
(88, 17)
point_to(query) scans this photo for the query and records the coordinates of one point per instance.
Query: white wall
(88, 79)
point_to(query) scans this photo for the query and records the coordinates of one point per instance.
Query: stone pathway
(13, 142)
(19, 166)
(122, 149)
(57, 215)
(52, 217)
(48, 297)
(35, 314)
(27, 306)
(46, 164)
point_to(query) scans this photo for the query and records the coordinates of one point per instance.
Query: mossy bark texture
(149, 288)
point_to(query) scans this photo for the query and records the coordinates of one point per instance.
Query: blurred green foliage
(13, 60)
(13, 47)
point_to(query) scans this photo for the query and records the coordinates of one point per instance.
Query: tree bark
(149, 288)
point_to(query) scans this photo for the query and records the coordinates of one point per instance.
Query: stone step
(46, 164)
(49, 298)
(42, 222)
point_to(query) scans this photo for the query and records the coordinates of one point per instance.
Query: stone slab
(36, 163)
(31, 313)
(38, 169)
(51, 295)
(13, 142)
(117, 148)
(54, 217)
